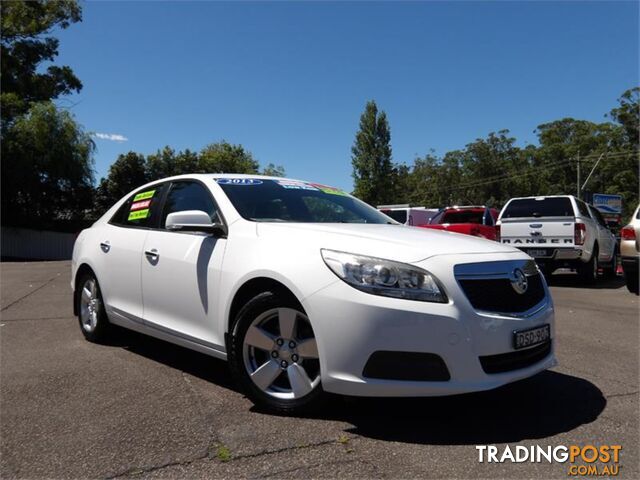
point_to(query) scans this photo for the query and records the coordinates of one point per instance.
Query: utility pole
(578, 179)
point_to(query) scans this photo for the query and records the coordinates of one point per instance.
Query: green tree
(627, 114)
(46, 156)
(373, 170)
(162, 164)
(272, 170)
(125, 174)
(47, 168)
(24, 46)
(224, 157)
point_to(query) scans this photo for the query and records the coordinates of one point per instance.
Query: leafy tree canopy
(25, 45)
(53, 178)
(373, 171)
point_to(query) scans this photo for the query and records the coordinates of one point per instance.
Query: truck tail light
(497, 233)
(628, 233)
(579, 233)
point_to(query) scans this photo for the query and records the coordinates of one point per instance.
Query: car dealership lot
(142, 407)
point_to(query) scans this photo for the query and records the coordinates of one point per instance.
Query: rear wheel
(631, 279)
(274, 355)
(91, 313)
(589, 271)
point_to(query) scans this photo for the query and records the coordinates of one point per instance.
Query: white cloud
(114, 137)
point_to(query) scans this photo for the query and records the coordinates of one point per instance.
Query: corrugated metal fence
(28, 244)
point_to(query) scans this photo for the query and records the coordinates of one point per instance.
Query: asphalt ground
(140, 407)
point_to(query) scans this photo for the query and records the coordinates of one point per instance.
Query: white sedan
(306, 289)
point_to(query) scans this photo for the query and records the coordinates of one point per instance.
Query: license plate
(533, 336)
(537, 253)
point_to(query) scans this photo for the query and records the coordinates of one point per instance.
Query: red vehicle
(478, 221)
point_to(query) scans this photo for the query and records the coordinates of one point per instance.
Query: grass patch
(223, 453)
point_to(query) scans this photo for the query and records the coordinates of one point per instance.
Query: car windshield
(263, 200)
(463, 216)
(539, 207)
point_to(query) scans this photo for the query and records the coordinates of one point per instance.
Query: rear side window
(544, 207)
(141, 209)
(597, 216)
(463, 216)
(189, 195)
(397, 215)
(582, 208)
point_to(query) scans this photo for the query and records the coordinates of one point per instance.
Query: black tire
(631, 279)
(102, 329)
(589, 271)
(257, 306)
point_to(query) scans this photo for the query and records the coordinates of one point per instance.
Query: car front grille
(489, 287)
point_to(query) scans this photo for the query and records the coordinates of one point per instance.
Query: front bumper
(351, 325)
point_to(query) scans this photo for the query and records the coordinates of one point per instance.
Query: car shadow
(544, 405)
(194, 363)
(573, 280)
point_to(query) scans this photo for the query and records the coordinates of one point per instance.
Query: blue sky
(290, 80)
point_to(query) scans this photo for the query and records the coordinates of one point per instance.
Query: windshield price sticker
(238, 181)
(144, 195)
(293, 185)
(329, 190)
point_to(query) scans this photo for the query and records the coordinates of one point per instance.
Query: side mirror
(194, 221)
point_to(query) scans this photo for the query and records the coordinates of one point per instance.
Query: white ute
(304, 289)
(559, 231)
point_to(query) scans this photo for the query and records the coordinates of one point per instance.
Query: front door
(181, 271)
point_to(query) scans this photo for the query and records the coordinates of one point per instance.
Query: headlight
(384, 277)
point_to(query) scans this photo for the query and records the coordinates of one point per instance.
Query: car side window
(595, 213)
(488, 218)
(582, 208)
(141, 209)
(189, 195)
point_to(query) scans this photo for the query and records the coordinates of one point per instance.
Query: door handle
(152, 254)
(105, 246)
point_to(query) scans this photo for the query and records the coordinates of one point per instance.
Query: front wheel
(92, 316)
(273, 354)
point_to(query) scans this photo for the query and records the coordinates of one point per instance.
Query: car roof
(204, 176)
(542, 196)
(208, 176)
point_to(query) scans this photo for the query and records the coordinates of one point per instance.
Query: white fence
(36, 244)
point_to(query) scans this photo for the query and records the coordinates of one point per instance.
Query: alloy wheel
(89, 305)
(280, 354)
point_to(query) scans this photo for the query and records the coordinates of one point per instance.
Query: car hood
(393, 242)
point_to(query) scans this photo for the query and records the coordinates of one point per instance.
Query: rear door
(606, 240)
(181, 270)
(538, 222)
(121, 242)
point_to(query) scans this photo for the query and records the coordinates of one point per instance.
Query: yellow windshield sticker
(138, 214)
(144, 195)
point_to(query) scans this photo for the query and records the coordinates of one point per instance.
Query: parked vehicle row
(559, 231)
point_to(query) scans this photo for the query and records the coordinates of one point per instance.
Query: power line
(549, 165)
